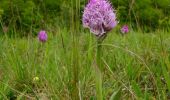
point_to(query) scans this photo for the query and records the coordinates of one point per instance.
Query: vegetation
(135, 66)
(28, 16)
(68, 65)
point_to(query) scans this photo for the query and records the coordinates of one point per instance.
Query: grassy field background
(136, 66)
(72, 64)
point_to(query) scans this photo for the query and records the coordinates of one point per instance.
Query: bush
(28, 16)
(145, 14)
(20, 16)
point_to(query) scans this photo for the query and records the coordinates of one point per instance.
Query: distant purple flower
(99, 17)
(42, 36)
(125, 29)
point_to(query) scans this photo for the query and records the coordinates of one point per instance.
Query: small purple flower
(125, 29)
(99, 17)
(42, 36)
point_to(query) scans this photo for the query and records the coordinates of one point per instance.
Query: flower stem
(98, 55)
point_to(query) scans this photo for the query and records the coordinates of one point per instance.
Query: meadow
(135, 66)
(84, 50)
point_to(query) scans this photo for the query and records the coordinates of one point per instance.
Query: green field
(135, 66)
(84, 49)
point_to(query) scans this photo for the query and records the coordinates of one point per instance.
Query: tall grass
(124, 61)
(75, 30)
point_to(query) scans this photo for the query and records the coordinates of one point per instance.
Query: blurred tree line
(28, 16)
(146, 15)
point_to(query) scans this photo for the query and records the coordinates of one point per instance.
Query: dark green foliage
(26, 17)
(146, 14)
(20, 16)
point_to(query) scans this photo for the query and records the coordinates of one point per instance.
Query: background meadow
(136, 65)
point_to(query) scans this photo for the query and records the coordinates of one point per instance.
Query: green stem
(98, 59)
(75, 69)
(75, 57)
(98, 73)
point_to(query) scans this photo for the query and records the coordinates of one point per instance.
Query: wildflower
(125, 29)
(99, 17)
(35, 79)
(42, 36)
